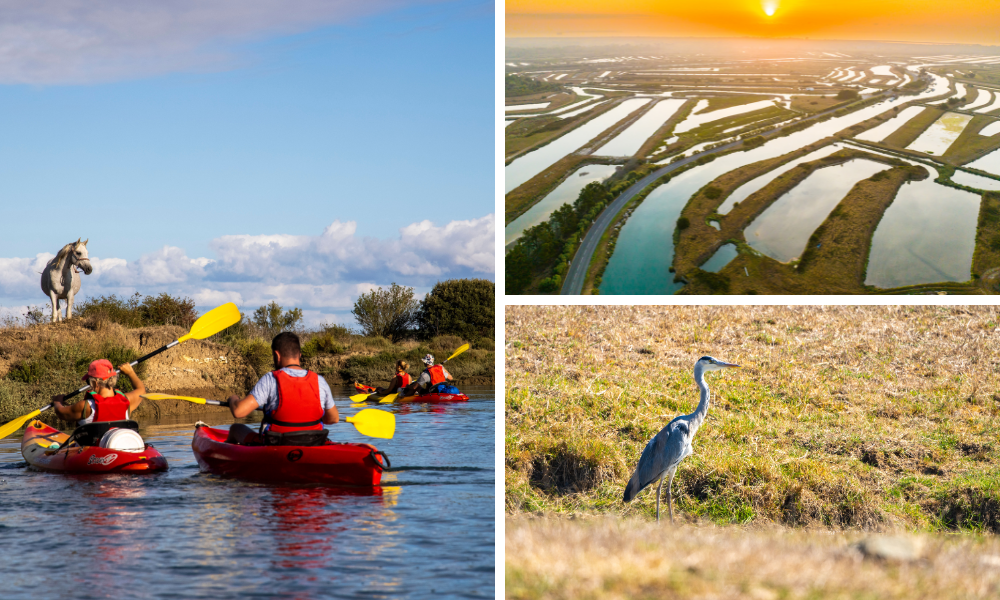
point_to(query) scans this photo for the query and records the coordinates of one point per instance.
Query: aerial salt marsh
(982, 99)
(941, 134)
(516, 107)
(644, 250)
(566, 192)
(525, 167)
(758, 183)
(629, 141)
(782, 230)
(880, 132)
(696, 120)
(926, 235)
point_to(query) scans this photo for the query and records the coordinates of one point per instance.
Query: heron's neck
(698, 416)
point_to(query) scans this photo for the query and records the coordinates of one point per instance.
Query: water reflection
(721, 258)
(524, 168)
(927, 235)
(782, 230)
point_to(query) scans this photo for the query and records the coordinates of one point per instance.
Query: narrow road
(577, 273)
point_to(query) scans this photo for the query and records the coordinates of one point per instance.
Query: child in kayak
(294, 400)
(400, 381)
(429, 378)
(103, 402)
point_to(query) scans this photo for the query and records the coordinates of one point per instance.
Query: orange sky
(945, 21)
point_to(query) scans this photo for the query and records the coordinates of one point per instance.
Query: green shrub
(390, 313)
(140, 311)
(712, 192)
(683, 223)
(463, 307)
(272, 319)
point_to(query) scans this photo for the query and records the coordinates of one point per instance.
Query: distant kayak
(435, 398)
(331, 463)
(36, 447)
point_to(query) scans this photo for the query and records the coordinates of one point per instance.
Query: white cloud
(85, 41)
(323, 274)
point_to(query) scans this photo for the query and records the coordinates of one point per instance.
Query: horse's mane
(63, 254)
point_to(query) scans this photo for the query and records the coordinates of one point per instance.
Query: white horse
(60, 279)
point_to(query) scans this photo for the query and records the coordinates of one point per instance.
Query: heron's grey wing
(661, 454)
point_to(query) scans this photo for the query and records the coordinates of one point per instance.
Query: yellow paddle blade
(213, 322)
(388, 399)
(457, 352)
(359, 397)
(374, 423)
(172, 397)
(16, 424)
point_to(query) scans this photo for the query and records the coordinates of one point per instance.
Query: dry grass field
(843, 421)
(614, 558)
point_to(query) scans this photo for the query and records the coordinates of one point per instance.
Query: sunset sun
(769, 7)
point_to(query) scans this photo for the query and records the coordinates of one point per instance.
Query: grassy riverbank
(876, 417)
(38, 361)
(611, 558)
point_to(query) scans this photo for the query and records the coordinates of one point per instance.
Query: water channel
(427, 532)
(722, 257)
(880, 132)
(629, 141)
(927, 235)
(747, 189)
(989, 163)
(644, 251)
(525, 167)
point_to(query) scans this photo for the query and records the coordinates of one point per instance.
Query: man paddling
(103, 402)
(429, 377)
(295, 400)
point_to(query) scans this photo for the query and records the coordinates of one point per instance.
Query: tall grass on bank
(870, 417)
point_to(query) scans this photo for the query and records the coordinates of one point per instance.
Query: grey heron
(666, 450)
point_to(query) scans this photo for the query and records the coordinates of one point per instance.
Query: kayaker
(293, 399)
(429, 377)
(103, 402)
(400, 381)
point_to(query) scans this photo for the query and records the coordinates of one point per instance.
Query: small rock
(891, 548)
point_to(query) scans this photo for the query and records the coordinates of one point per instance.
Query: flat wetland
(844, 426)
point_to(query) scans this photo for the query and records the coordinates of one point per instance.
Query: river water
(427, 532)
(644, 251)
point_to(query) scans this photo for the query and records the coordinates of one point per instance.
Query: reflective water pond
(629, 141)
(783, 230)
(524, 168)
(427, 532)
(926, 235)
(976, 181)
(721, 258)
(566, 192)
(991, 129)
(696, 120)
(513, 107)
(749, 188)
(644, 251)
(989, 163)
(880, 132)
(937, 138)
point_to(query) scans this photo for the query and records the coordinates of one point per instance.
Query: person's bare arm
(447, 375)
(138, 388)
(331, 416)
(71, 412)
(242, 407)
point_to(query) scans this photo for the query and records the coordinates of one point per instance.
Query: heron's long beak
(724, 364)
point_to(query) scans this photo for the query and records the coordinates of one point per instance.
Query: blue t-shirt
(266, 390)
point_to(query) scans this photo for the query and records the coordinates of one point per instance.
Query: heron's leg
(658, 488)
(670, 498)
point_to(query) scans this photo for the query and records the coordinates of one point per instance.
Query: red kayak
(37, 448)
(332, 463)
(435, 398)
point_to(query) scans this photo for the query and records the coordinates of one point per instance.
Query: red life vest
(299, 407)
(437, 374)
(112, 408)
(404, 379)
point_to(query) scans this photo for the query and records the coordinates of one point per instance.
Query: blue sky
(300, 154)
